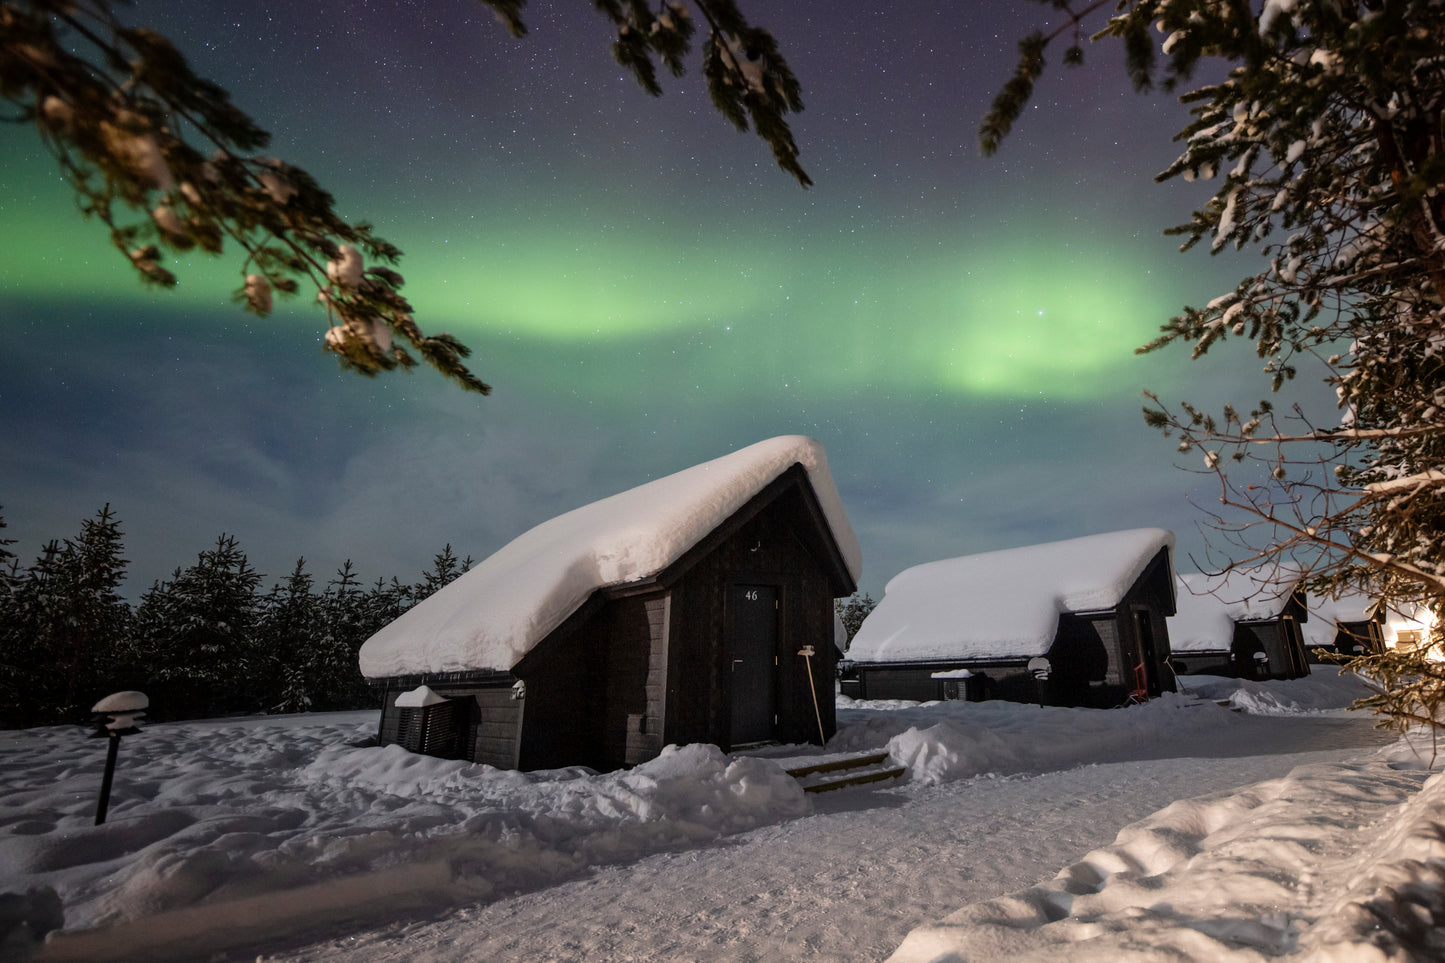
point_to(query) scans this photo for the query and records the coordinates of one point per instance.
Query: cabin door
(752, 645)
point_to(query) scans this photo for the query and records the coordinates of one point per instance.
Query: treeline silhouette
(207, 641)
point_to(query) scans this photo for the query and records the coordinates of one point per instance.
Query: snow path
(851, 881)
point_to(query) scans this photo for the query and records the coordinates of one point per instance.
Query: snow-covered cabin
(1245, 622)
(1346, 626)
(678, 611)
(983, 626)
(1408, 627)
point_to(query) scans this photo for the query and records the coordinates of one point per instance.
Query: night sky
(644, 289)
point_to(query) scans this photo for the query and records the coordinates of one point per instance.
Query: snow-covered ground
(273, 835)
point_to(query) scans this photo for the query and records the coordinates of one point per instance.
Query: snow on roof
(1207, 606)
(1002, 603)
(1326, 614)
(490, 617)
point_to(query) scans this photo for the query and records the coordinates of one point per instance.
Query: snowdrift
(232, 833)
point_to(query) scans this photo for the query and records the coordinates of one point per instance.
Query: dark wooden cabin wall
(647, 735)
(561, 714)
(1006, 679)
(634, 696)
(389, 732)
(696, 706)
(1294, 639)
(1282, 642)
(497, 732)
(767, 550)
(1242, 651)
(913, 684)
(1204, 663)
(1268, 639)
(1365, 635)
(623, 624)
(1084, 659)
(1152, 596)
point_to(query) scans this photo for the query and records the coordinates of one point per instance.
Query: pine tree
(852, 611)
(385, 603)
(288, 630)
(169, 164)
(1324, 141)
(195, 637)
(24, 699)
(347, 627)
(9, 561)
(445, 568)
(9, 638)
(65, 625)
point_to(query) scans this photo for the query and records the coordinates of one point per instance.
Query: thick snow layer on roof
(492, 616)
(1326, 614)
(1002, 604)
(1209, 605)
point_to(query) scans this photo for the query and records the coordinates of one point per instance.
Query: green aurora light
(1017, 313)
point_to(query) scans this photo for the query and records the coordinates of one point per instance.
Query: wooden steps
(840, 772)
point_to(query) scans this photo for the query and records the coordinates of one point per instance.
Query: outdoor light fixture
(118, 714)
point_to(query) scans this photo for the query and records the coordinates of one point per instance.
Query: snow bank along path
(1334, 862)
(846, 884)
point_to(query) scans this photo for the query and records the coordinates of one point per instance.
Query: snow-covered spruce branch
(1426, 479)
(748, 80)
(1200, 429)
(1326, 435)
(115, 121)
(121, 110)
(1010, 101)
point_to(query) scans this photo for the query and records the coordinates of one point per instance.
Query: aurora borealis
(639, 283)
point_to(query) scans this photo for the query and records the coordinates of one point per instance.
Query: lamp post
(118, 714)
(1041, 668)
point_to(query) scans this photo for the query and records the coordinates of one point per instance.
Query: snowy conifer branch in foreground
(1323, 139)
(169, 164)
(747, 78)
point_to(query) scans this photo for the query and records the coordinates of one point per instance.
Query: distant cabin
(1244, 623)
(694, 608)
(1344, 627)
(1408, 628)
(1073, 623)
